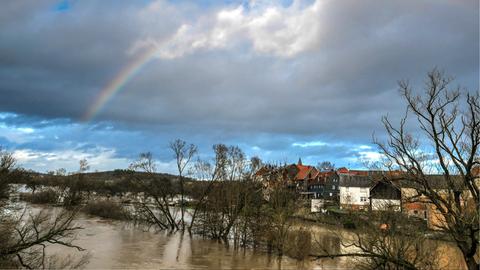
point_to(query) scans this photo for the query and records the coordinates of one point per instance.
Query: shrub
(107, 209)
(48, 196)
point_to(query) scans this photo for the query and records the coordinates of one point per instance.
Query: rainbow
(117, 83)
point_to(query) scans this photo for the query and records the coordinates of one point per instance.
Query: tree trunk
(471, 263)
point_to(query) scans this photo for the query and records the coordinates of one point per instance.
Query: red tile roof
(306, 172)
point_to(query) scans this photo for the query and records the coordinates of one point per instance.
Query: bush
(107, 209)
(48, 196)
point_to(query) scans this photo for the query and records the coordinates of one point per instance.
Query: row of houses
(341, 186)
(357, 189)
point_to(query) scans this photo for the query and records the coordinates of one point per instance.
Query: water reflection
(114, 244)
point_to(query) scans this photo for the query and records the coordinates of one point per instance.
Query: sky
(311, 79)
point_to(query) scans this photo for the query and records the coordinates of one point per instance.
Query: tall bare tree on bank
(183, 154)
(450, 122)
(449, 119)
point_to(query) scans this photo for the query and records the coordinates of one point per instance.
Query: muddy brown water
(121, 245)
(116, 244)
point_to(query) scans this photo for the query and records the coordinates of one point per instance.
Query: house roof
(306, 172)
(355, 181)
(435, 181)
(344, 170)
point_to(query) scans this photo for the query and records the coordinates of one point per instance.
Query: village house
(385, 196)
(307, 180)
(271, 176)
(402, 195)
(306, 175)
(354, 191)
(325, 186)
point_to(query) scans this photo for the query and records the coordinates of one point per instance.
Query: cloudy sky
(106, 80)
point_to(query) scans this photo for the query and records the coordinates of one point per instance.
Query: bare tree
(255, 164)
(24, 238)
(183, 154)
(325, 166)
(61, 172)
(449, 119)
(72, 190)
(7, 160)
(83, 166)
(7, 165)
(160, 189)
(144, 162)
(228, 195)
(449, 124)
(383, 240)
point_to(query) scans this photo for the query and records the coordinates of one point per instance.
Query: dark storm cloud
(329, 80)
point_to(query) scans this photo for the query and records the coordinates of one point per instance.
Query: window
(363, 199)
(330, 194)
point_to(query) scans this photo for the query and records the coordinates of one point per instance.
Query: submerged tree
(159, 192)
(210, 172)
(183, 154)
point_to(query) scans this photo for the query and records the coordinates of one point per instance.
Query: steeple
(300, 161)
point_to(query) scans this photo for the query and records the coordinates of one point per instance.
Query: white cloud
(370, 156)
(16, 134)
(102, 159)
(270, 29)
(309, 144)
(43, 161)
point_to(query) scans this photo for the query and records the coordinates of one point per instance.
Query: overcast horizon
(283, 80)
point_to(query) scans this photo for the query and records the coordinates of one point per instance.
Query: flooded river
(116, 244)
